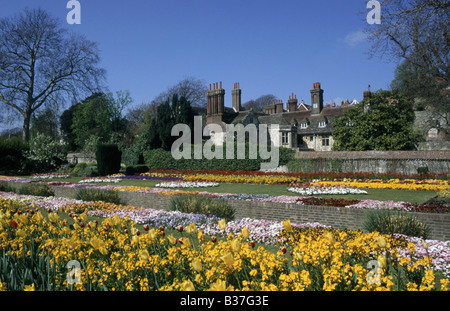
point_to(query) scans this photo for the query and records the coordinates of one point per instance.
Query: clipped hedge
(162, 159)
(12, 159)
(136, 169)
(108, 158)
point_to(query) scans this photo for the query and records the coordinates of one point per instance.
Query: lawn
(274, 189)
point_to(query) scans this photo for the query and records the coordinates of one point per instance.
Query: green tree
(383, 122)
(100, 115)
(45, 122)
(65, 122)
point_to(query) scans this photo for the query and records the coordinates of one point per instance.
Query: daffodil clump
(113, 254)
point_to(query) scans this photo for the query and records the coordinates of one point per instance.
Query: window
(285, 138)
(325, 140)
(304, 125)
(322, 124)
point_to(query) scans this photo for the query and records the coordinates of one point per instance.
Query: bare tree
(417, 32)
(41, 63)
(260, 103)
(193, 89)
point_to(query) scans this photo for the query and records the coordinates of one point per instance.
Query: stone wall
(400, 162)
(337, 217)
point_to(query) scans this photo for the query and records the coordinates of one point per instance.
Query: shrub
(12, 155)
(390, 222)
(136, 169)
(108, 159)
(202, 205)
(108, 196)
(42, 190)
(5, 187)
(45, 153)
(85, 170)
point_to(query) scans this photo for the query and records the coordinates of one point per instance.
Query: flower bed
(107, 179)
(115, 255)
(50, 175)
(186, 184)
(324, 189)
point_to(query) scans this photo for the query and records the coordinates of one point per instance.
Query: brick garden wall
(401, 162)
(337, 217)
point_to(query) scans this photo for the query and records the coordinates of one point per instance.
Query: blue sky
(269, 47)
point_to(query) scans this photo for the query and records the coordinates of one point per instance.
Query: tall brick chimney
(236, 97)
(215, 103)
(279, 107)
(317, 98)
(292, 103)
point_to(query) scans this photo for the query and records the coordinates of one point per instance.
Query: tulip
(222, 224)
(180, 228)
(187, 286)
(219, 286)
(172, 239)
(287, 225)
(425, 246)
(381, 261)
(13, 224)
(146, 227)
(236, 245)
(252, 244)
(144, 255)
(381, 242)
(197, 265)
(228, 259)
(245, 233)
(213, 239)
(283, 249)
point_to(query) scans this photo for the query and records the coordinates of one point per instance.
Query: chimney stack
(236, 97)
(317, 98)
(292, 103)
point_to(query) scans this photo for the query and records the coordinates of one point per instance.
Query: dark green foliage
(383, 122)
(95, 195)
(12, 159)
(136, 169)
(5, 187)
(34, 268)
(390, 222)
(85, 170)
(202, 205)
(108, 159)
(162, 159)
(42, 190)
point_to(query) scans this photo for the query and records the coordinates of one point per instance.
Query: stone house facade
(297, 126)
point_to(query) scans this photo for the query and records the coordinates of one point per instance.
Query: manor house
(291, 125)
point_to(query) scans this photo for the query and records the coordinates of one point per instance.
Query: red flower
(13, 224)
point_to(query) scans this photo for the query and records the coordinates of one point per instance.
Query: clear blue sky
(269, 47)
